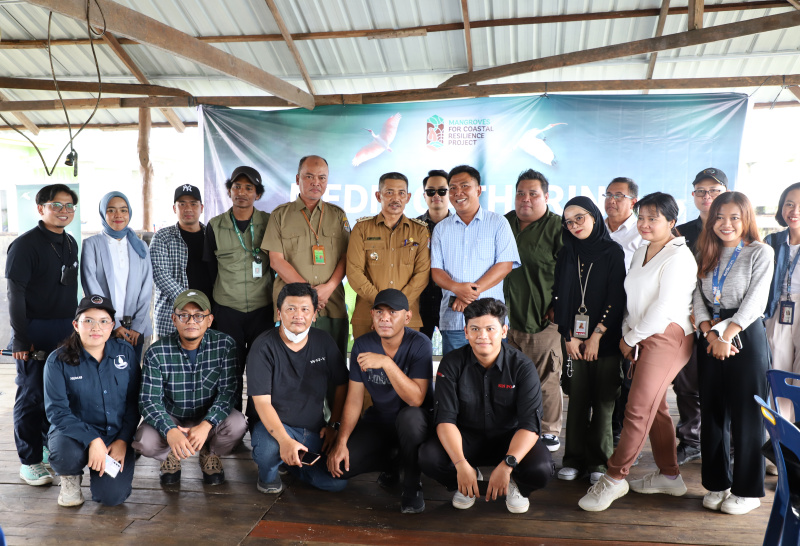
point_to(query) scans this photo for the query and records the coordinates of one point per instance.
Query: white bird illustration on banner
(531, 143)
(379, 143)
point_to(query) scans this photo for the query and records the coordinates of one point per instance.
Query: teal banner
(580, 143)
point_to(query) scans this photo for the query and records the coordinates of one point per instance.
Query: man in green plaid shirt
(188, 388)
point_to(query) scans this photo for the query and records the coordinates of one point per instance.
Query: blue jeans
(267, 455)
(452, 339)
(68, 458)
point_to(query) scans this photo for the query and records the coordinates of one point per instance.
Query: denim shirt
(780, 243)
(94, 399)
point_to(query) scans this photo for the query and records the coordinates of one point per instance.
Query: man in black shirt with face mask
(42, 273)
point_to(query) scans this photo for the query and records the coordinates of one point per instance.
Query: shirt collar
(500, 362)
(478, 216)
(380, 219)
(628, 224)
(299, 205)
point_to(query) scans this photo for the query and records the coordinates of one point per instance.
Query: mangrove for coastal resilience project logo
(456, 132)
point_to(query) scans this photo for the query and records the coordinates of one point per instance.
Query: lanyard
(790, 270)
(255, 251)
(717, 282)
(321, 214)
(583, 286)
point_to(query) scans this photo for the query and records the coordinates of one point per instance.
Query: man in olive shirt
(307, 242)
(389, 250)
(528, 292)
(240, 271)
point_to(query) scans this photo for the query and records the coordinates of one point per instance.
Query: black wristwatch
(511, 461)
(334, 426)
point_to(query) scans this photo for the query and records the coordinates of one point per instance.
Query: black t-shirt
(691, 231)
(414, 357)
(297, 381)
(196, 270)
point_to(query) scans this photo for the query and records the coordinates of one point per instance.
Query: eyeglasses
(58, 207)
(578, 221)
(103, 323)
(617, 196)
(431, 192)
(702, 193)
(184, 317)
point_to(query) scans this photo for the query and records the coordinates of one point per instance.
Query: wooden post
(146, 168)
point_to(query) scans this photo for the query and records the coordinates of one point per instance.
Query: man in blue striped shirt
(471, 253)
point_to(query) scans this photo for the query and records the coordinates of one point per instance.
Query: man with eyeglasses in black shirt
(487, 409)
(434, 186)
(42, 273)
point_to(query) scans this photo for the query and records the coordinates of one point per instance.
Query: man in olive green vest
(307, 242)
(242, 276)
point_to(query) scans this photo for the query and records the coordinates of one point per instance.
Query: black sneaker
(387, 480)
(687, 453)
(412, 502)
(551, 441)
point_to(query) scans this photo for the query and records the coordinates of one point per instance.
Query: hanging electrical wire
(72, 156)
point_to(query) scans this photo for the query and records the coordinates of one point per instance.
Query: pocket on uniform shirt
(121, 380)
(484, 249)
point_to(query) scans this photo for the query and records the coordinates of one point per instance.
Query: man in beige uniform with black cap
(307, 242)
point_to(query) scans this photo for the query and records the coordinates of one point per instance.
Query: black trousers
(371, 445)
(622, 400)
(728, 409)
(30, 422)
(687, 398)
(429, 313)
(244, 328)
(533, 472)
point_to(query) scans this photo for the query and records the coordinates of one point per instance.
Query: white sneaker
(462, 502)
(515, 502)
(70, 494)
(35, 474)
(594, 477)
(567, 473)
(713, 499)
(656, 482)
(602, 494)
(739, 505)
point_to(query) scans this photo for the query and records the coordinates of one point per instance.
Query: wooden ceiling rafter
(467, 33)
(660, 24)
(287, 37)
(92, 87)
(26, 122)
(696, 8)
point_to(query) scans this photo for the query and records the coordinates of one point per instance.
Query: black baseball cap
(252, 175)
(711, 174)
(187, 189)
(392, 298)
(95, 302)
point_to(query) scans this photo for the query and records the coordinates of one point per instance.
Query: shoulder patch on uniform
(363, 218)
(420, 222)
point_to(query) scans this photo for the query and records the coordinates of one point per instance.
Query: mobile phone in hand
(112, 466)
(737, 342)
(309, 458)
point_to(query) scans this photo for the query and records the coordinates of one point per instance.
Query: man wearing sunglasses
(42, 273)
(708, 185)
(434, 186)
(189, 383)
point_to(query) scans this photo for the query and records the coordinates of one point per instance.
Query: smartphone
(112, 467)
(737, 342)
(636, 352)
(309, 458)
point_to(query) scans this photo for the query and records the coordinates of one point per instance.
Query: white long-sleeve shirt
(627, 235)
(659, 292)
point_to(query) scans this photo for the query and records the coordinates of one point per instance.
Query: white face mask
(295, 338)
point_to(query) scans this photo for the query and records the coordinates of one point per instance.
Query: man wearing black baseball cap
(239, 269)
(177, 256)
(393, 364)
(708, 185)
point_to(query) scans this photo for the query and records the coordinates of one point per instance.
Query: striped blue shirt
(467, 252)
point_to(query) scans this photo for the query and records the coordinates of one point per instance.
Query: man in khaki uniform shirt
(389, 250)
(307, 242)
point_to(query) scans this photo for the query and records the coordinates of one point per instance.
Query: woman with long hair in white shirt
(657, 338)
(735, 272)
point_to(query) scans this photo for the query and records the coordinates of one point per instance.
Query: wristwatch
(511, 461)
(335, 426)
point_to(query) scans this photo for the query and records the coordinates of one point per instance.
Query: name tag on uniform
(257, 270)
(786, 315)
(318, 254)
(581, 329)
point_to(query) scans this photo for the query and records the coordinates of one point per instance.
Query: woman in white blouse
(116, 264)
(657, 338)
(735, 272)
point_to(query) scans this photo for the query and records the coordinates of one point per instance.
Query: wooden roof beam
(795, 3)
(22, 118)
(104, 126)
(467, 34)
(92, 87)
(639, 47)
(794, 90)
(662, 21)
(145, 30)
(695, 14)
(126, 59)
(287, 37)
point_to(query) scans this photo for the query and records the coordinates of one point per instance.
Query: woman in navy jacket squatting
(91, 394)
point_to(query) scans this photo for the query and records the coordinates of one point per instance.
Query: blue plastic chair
(781, 388)
(784, 520)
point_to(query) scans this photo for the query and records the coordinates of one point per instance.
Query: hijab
(595, 248)
(137, 244)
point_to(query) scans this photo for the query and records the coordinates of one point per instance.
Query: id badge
(318, 254)
(786, 315)
(258, 270)
(581, 329)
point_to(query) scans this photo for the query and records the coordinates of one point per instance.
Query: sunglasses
(431, 192)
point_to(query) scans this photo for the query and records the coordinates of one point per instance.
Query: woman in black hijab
(589, 301)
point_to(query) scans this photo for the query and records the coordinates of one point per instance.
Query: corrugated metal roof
(360, 65)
